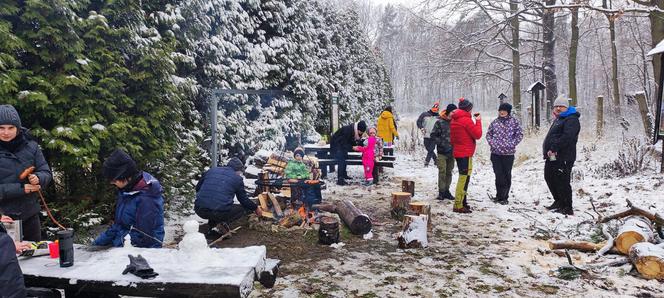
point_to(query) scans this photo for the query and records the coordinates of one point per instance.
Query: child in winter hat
(465, 104)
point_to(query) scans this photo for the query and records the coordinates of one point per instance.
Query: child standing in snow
(368, 155)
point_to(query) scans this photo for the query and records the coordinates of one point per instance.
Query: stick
(656, 218)
(609, 242)
(224, 236)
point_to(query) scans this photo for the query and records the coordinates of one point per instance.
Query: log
(325, 207)
(636, 229)
(275, 205)
(400, 201)
(328, 232)
(422, 208)
(648, 259)
(408, 186)
(584, 246)
(414, 233)
(290, 220)
(262, 200)
(358, 222)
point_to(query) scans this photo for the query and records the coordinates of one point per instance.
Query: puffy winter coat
(441, 134)
(368, 151)
(563, 135)
(13, 199)
(427, 120)
(296, 170)
(387, 130)
(217, 188)
(464, 133)
(141, 208)
(503, 135)
(11, 276)
(343, 139)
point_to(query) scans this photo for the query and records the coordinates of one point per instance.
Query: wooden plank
(262, 199)
(275, 205)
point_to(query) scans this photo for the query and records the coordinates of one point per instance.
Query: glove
(139, 266)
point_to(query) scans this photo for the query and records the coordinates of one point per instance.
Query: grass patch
(369, 295)
(500, 289)
(568, 273)
(597, 236)
(486, 269)
(546, 289)
(482, 288)
(389, 280)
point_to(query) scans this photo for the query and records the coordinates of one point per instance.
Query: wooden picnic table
(327, 162)
(225, 272)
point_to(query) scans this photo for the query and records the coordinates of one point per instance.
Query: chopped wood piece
(408, 186)
(636, 229)
(648, 259)
(414, 233)
(422, 208)
(584, 246)
(400, 201)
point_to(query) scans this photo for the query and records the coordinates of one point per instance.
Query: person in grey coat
(18, 151)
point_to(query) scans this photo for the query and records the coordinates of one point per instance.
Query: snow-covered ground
(494, 250)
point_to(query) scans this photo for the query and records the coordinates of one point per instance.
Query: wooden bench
(325, 163)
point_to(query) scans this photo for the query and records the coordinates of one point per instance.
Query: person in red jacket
(464, 133)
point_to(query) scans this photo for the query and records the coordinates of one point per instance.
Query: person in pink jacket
(368, 155)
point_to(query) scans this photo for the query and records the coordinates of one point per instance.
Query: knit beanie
(505, 107)
(465, 104)
(119, 166)
(435, 106)
(561, 101)
(298, 151)
(235, 164)
(362, 126)
(450, 108)
(9, 115)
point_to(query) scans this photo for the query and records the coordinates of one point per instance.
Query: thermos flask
(66, 240)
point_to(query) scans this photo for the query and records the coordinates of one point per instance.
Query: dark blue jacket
(142, 208)
(13, 199)
(343, 139)
(563, 135)
(217, 188)
(11, 277)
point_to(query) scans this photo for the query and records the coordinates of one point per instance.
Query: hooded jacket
(11, 276)
(13, 199)
(503, 135)
(141, 208)
(386, 128)
(441, 134)
(464, 134)
(427, 120)
(563, 136)
(217, 189)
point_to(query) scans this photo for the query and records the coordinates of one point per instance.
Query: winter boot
(565, 210)
(502, 202)
(448, 196)
(554, 206)
(441, 196)
(462, 210)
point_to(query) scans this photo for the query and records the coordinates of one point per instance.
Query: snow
(417, 231)
(658, 49)
(82, 61)
(193, 242)
(98, 126)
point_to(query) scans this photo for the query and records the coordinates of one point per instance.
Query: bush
(633, 157)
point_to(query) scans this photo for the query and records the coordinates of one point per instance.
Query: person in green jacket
(296, 169)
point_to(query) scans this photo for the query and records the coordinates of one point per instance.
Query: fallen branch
(656, 218)
(224, 236)
(609, 242)
(583, 246)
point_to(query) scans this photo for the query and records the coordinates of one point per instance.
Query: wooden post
(531, 117)
(600, 116)
(400, 201)
(408, 186)
(422, 208)
(645, 114)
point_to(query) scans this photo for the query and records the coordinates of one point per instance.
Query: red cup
(54, 250)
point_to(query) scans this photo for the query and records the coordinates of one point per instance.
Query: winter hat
(362, 126)
(465, 104)
(298, 151)
(388, 108)
(561, 101)
(9, 115)
(119, 166)
(435, 107)
(505, 107)
(236, 164)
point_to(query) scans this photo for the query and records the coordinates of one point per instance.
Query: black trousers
(430, 145)
(32, 228)
(558, 177)
(215, 217)
(502, 168)
(340, 156)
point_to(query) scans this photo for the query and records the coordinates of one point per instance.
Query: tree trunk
(422, 208)
(600, 116)
(636, 229)
(400, 201)
(516, 59)
(645, 113)
(408, 186)
(614, 65)
(648, 259)
(414, 233)
(358, 222)
(657, 35)
(548, 37)
(573, 48)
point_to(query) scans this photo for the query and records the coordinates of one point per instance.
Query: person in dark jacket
(11, 276)
(559, 151)
(342, 142)
(464, 133)
(139, 209)
(441, 135)
(18, 151)
(215, 192)
(425, 123)
(503, 136)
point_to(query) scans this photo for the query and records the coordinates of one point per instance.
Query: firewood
(636, 229)
(358, 222)
(290, 220)
(422, 208)
(408, 186)
(648, 259)
(400, 201)
(576, 245)
(414, 233)
(325, 207)
(275, 205)
(262, 199)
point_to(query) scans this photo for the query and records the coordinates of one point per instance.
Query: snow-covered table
(225, 272)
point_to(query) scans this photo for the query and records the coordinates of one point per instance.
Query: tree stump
(422, 208)
(636, 229)
(328, 232)
(400, 201)
(408, 186)
(648, 259)
(414, 233)
(358, 222)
